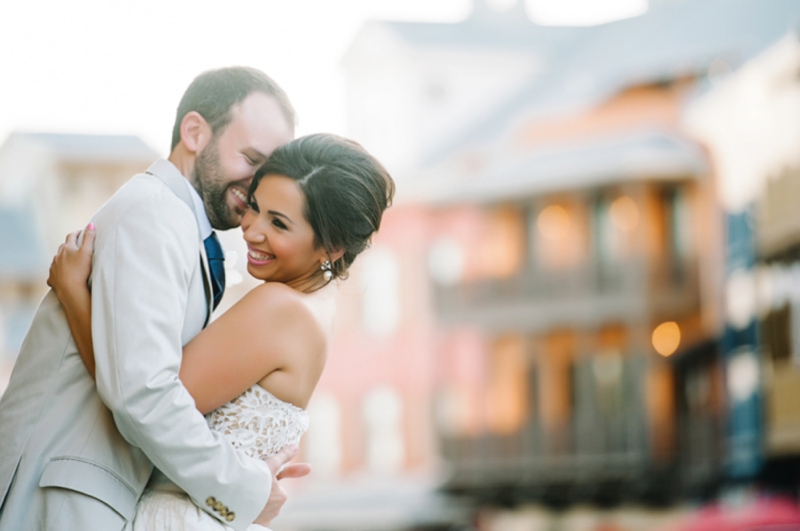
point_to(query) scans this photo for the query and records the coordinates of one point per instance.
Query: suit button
(223, 511)
(230, 517)
(218, 506)
(210, 501)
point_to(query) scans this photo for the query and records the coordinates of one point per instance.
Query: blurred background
(582, 312)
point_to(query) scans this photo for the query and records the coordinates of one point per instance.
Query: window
(501, 249)
(678, 242)
(776, 333)
(615, 220)
(604, 234)
(559, 235)
(446, 262)
(323, 442)
(381, 299)
(383, 415)
(508, 385)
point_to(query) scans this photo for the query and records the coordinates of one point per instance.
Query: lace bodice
(259, 423)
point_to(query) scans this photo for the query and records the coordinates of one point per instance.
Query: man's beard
(212, 186)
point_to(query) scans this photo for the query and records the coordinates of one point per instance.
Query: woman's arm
(269, 337)
(69, 276)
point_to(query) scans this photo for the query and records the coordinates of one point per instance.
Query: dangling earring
(327, 272)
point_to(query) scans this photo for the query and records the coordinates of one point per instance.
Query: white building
(412, 86)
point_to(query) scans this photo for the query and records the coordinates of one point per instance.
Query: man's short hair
(213, 93)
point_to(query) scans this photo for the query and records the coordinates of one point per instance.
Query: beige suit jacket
(75, 455)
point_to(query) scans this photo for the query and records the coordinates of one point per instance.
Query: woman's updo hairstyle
(346, 191)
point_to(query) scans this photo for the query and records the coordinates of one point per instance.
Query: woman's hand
(72, 265)
(69, 277)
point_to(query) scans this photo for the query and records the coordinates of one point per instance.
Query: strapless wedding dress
(256, 423)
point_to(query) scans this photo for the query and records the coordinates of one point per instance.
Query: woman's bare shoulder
(286, 312)
(275, 298)
(294, 340)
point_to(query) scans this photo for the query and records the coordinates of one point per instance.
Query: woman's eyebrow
(278, 214)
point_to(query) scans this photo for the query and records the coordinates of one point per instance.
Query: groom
(75, 454)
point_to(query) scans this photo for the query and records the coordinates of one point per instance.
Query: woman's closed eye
(252, 205)
(278, 223)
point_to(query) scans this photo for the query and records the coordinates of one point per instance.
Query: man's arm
(142, 273)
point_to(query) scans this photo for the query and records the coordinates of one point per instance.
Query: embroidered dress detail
(258, 424)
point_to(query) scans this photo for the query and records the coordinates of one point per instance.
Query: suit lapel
(169, 175)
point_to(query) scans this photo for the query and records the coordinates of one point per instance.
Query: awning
(598, 162)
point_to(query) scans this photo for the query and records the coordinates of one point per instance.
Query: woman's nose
(252, 234)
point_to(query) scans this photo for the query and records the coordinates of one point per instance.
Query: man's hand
(280, 470)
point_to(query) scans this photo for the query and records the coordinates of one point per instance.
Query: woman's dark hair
(346, 191)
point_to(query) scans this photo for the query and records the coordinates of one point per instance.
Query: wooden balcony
(535, 300)
(536, 462)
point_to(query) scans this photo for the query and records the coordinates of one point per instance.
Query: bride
(313, 207)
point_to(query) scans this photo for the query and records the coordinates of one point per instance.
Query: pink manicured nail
(90, 226)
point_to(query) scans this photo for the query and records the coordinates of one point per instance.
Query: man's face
(225, 167)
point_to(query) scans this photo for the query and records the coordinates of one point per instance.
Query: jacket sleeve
(140, 280)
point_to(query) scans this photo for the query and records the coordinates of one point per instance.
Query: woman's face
(280, 240)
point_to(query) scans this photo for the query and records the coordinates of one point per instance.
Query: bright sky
(94, 66)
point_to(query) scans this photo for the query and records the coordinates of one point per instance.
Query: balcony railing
(584, 296)
(584, 453)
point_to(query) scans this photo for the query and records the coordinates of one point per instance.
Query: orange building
(559, 245)
(586, 258)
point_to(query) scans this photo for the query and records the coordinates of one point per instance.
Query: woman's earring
(327, 272)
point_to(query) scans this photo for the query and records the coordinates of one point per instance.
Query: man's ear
(195, 132)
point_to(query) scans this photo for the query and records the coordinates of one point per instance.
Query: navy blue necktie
(216, 262)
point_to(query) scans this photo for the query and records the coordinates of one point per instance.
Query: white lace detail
(259, 423)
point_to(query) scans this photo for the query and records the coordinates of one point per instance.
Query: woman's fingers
(89, 235)
(87, 245)
(294, 470)
(285, 455)
(72, 264)
(72, 239)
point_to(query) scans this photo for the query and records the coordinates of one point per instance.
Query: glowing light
(741, 298)
(553, 222)
(624, 213)
(667, 338)
(743, 375)
(446, 262)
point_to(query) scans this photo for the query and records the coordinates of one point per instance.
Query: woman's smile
(258, 258)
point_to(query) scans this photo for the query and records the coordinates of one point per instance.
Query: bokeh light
(667, 338)
(624, 213)
(553, 222)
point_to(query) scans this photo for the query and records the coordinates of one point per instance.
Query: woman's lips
(258, 258)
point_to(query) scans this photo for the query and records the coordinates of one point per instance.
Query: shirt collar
(199, 212)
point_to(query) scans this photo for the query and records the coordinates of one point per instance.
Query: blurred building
(562, 306)
(50, 185)
(412, 86)
(750, 120)
(569, 241)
